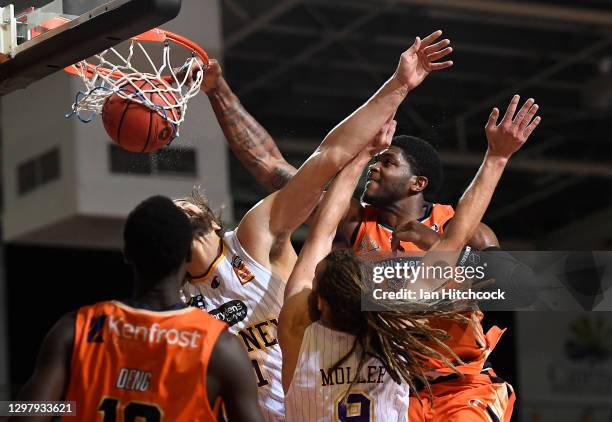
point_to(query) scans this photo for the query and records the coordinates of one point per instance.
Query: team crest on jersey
(96, 328)
(368, 245)
(231, 312)
(241, 270)
(435, 227)
(215, 283)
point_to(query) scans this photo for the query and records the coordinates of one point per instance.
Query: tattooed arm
(248, 140)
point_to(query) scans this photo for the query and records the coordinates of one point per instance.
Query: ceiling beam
(527, 10)
(504, 95)
(400, 42)
(374, 75)
(526, 13)
(468, 159)
(365, 66)
(260, 22)
(236, 9)
(588, 232)
(534, 165)
(307, 53)
(533, 198)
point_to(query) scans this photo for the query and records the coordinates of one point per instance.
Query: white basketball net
(106, 78)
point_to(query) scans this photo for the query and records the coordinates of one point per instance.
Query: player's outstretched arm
(294, 317)
(51, 374)
(282, 212)
(247, 139)
(503, 141)
(231, 372)
(295, 201)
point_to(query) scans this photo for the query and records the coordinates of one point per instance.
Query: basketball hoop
(105, 79)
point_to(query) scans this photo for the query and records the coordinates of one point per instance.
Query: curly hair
(424, 160)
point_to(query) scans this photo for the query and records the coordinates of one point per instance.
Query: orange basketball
(136, 127)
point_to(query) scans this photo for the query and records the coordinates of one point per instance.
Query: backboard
(38, 41)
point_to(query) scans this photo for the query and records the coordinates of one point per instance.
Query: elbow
(454, 241)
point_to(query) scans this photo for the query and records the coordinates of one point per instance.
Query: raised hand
(420, 60)
(510, 135)
(383, 138)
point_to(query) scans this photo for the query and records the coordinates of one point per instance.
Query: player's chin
(370, 192)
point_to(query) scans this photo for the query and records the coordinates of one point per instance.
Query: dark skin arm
(230, 375)
(247, 139)
(255, 147)
(258, 152)
(424, 237)
(484, 238)
(52, 372)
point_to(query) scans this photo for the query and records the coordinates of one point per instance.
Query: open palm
(513, 131)
(420, 60)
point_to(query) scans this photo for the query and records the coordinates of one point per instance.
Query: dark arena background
(299, 67)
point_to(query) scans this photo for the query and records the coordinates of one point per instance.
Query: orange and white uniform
(480, 395)
(373, 236)
(130, 363)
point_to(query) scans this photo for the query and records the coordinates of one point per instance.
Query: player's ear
(215, 226)
(418, 183)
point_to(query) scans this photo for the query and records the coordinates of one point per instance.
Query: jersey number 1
(148, 412)
(261, 381)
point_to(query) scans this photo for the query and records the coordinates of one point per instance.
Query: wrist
(220, 88)
(398, 87)
(495, 160)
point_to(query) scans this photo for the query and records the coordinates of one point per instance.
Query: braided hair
(402, 340)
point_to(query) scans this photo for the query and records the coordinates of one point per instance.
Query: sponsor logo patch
(231, 312)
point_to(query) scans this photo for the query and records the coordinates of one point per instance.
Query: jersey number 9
(357, 408)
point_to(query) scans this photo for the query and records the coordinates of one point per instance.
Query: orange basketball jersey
(131, 363)
(468, 340)
(373, 236)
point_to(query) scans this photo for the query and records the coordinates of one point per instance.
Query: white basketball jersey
(243, 293)
(316, 391)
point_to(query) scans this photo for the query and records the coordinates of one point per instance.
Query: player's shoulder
(230, 240)
(96, 307)
(443, 208)
(67, 321)
(61, 336)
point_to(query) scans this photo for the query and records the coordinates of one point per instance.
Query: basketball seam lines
(149, 133)
(127, 105)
